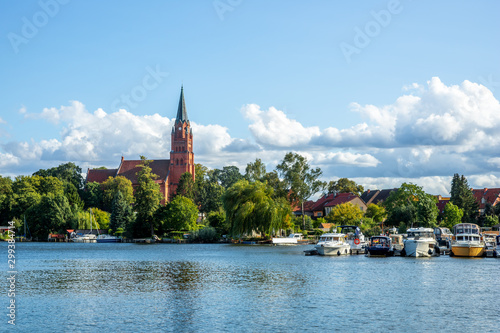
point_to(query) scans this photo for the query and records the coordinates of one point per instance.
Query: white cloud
(347, 158)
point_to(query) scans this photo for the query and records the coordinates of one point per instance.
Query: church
(168, 171)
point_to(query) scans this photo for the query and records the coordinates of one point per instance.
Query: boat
(443, 237)
(85, 238)
(397, 243)
(380, 246)
(291, 239)
(489, 240)
(420, 242)
(105, 238)
(331, 244)
(496, 251)
(467, 241)
(355, 238)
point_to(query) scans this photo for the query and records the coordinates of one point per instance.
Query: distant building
(486, 196)
(376, 196)
(169, 171)
(323, 206)
(442, 202)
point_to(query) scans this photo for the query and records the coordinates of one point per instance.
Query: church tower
(181, 153)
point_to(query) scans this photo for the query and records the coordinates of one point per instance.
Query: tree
(217, 220)
(121, 213)
(250, 207)
(66, 172)
(72, 195)
(411, 205)
(345, 214)
(209, 197)
(300, 178)
(280, 187)
(344, 185)
(452, 215)
(227, 176)
(92, 195)
(376, 212)
(6, 199)
(179, 214)
(186, 186)
(255, 171)
(48, 215)
(147, 197)
(461, 196)
(111, 186)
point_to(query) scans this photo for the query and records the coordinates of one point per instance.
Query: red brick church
(169, 171)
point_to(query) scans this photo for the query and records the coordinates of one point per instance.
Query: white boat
(86, 238)
(105, 238)
(355, 238)
(333, 244)
(420, 242)
(291, 239)
(444, 238)
(489, 240)
(467, 242)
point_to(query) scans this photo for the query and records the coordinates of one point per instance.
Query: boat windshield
(468, 238)
(422, 234)
(380, 241)
(466, 229)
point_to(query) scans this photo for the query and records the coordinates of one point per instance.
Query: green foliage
(68, 172)
(205, 235)
(411, 205)
(48, 215)
(345, 214)
(227, 176)
(461, 196)
(147, 197)
(316, 223)
(300, 179)
(344, 185)
(376, 212)
(217, 220)
(179, 214)
(452, 215)
(72, 195)
(6, 199)
(112, 185)
(250, 207)
(490, 220)
(209, 196)
(255, 171)
(279, 187)
(186, 187)
(121, 213)
(92, 195)
(101, 218)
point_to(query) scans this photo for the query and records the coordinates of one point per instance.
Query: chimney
(122, 158)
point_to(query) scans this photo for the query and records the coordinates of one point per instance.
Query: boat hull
(333, 250)
(285, 241)
(467, 251)
(108, 240)
(380, 251)
(416, 248)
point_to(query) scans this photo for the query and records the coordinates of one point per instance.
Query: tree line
(229, 203)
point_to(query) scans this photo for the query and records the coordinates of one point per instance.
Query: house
(376, 196)
(486, 196)
(326, 227)
(322, 206)
(342, 198)
(442, 202)
(169, 171)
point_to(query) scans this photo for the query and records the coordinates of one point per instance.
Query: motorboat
(443, 237)
(496, 251)
(397, 243)
(420, 242)
(333, 244)
(489, 240)
(290, 240)
(380, 246)
(355, 238)
(467, 241)
(105, 238)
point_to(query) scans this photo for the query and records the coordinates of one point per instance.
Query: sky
(380, 92)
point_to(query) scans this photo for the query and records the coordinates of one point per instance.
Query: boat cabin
(383, 241)
(467, 238)
(466, 228)
(420, 233)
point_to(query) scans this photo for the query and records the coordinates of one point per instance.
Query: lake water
(238, 288)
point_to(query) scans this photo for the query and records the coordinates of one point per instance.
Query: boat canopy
(466, 228)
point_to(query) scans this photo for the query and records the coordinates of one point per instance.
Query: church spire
(181, 110)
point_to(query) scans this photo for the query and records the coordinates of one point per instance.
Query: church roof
(130, 168)
(100, 175)
(181, 110)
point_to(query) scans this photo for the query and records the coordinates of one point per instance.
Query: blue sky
(378, 91)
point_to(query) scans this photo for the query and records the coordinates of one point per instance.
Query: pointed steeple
(181, 110)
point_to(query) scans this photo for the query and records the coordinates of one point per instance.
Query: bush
(205, 235)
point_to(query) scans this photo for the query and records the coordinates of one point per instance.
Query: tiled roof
(100, 175)
(326, 225)
(340, 199)
(376, 196)
(130, 168)
(369, 195)
(320, 203)
(490, 195)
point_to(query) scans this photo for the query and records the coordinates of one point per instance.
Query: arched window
(182, 161)
(177, 161)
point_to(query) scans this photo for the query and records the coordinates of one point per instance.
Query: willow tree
(250, 208)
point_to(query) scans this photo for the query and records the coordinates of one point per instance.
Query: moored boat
(397, 243)
(380, 246)
(86, 238)
(333, 244)
(496, 251)
(105, 238)
(467, 241)
(443, 237)
(355, 238)
(420, 242)
(290, 240)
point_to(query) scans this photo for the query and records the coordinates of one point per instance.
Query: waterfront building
(169, 171)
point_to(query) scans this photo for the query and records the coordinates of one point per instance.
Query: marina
(245, 288)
